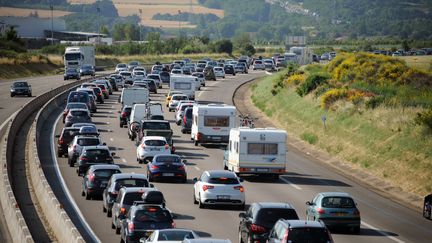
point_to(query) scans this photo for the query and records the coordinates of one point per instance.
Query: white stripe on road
(291, 184)
(196, 168)
(112, 139)
(124, 161)
(382, 232)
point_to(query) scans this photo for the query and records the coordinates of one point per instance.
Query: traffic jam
(138, 210)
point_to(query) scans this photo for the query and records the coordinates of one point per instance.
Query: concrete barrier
(58, 219)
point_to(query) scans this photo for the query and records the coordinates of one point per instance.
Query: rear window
(316, 235)
(69, 133)
(155, 143)
(174, 235)
(269, 216)
(131, 197)
(153, 77)
(156, 126)
(126, 74)
(97, 153)
(223, 180)
(76, 106)
(168, 159)
(337, 202)
(78, 97)
(152, 214)
(88, 142)
(216, 121)
(262, 148)
(105, 173)
(130, 182)
(78, 113)
(97, 90)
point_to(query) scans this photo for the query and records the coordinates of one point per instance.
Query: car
(99, 96)
(165, 77)
(78, 143)
(139, 74)
(151, 146)
(96, 180)
(142, 220)
(171, 235)
(151, 85)
(256, 223)
(92, 155)
(76, 115)
(218, 187)
(239, 68)
(64, 139)
(124, 115)
(299, 231)
(200, 67)
(121, 67)
(104, 90)
(127, 77)
(112, 82)
(246, 68)
(125, 199)
(118, 80)
(118, 181)
(156, 69)
(87, 69)
(175, 98)
(269, 64)
(156, 78)
(88, 131)
(132, 64)
(326, 56)
(106, 83)
(140, 84)
(209, 73)
(180, 111)
(169, 95)
(80, 97)
(245, 61)
(20, 88)
(258, 64)
(200, 77)
(87, 90)
(229, 69)
(71, 73)
(73, 105)
(219, 72)
(186, 122)
(335, 209)
(167, 166)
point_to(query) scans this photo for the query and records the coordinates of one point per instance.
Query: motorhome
(184, 83)
(256, 151)
(131, 96)
(212, 123)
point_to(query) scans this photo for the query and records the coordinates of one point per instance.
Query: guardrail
(53, 211)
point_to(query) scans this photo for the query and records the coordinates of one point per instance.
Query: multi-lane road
(382, 219)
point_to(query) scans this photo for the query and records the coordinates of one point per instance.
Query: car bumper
(341, 222)
(168, 175)
(216, 199)
(143, 155)
(95, 191)
(214, 139)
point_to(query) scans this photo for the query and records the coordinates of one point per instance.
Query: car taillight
(143, 146)
(356, 212)
(131, 227)
(173, 224)
(184, 119)
(320, 211)
(285, 237)
(123, 211)
(181, 167)
(61, 141)
(199, 135)
(154, 167)
(206, 187)
(92, 177)
(123, 114)
(257, 229)
(74, 148)
(84, 158)
(166, 146)
(240, 188)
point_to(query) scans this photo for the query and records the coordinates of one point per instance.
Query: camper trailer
(184, 83)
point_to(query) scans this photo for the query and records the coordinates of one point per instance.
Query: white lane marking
(112, 139)
(382, 233)
(107, 123)
(124, 161)
(66, 189)
(196, 168)
(291, 184)
(268, 73)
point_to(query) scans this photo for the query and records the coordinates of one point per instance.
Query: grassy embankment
(369, 124)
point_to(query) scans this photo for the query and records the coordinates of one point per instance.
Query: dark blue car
(169, 166)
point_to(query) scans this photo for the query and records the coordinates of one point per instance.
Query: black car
(96, 180)
(209, 73)
(112, 81)
(72, 73)
(260, 218)
(124, 115)
(20, 88)
(229, 69)
(64, 139)
(167, 166)
(99, 96)
(151, 84)
(93, 155)
(300, 231)
(186, 122)
(142, 220)
(87, 69)
(165, 77)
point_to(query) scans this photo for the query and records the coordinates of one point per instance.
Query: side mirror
(195, 179)
(309, 203)
(241, 179)
(242, 215)
(113, 154)
(184, 161)
(104, 144)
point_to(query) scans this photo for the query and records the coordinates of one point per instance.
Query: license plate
(223, 197)
(217, 138)
(167, 174)
(340, 214)
(262, 170)
(154, 149)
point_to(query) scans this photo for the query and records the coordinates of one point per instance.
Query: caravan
(256, 151)
(184, 83)
(212, 123)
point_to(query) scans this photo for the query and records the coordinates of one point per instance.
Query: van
(138, 113)
(131, 96)
(184, 83)
(256, 151)
(212, 123)
(154, 111)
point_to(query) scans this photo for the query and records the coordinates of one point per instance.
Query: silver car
(78, 143)
(77, 116)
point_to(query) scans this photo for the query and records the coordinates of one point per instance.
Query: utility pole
(98, 25)
(139, 24)
(52, 22)
(179, 12)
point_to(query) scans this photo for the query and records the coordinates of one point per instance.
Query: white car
(151, 146)
(200, 77)
(219, 72)
(156, 78)
(269, 64)
(218, 187)
(175, 99)
(127, 77)
(258, 64)
(121, 67)
(171, 236)
(139, 68)
(139, 74)
(180, 111)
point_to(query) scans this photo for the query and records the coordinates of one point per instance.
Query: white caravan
(212, 123)
(185, 84)
(256, 151)
(131, 96)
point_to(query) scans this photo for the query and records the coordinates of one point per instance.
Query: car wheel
(83, 193)
(356, 229)
(225, 167)
(87, 196)
(196, 142)
(109, 213)
(117, 231)
(30, 95)
(249, 240)
(112, 225)
(241, 207)
(71, 164)
(104, 208)
(240, 238)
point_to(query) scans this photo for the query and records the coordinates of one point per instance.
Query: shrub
(295, 79)
(309, 137)
(424, 118)
(311, 83)
(332, 96)
(374, 102)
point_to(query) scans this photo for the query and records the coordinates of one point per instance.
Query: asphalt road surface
(382, 219)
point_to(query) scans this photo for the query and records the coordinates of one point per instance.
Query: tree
(405, 45)
(104, 30)
(249, 50)
(224, 46)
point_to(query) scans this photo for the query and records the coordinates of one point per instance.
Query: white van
(184, 83)
(138, 113)
(256, 151)
(154, 111)
(131, 96)
(212, 123)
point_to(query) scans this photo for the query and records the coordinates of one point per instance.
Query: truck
(211, 123)
(256, 151)
(76, 56)
(184, 83)
(304, 54)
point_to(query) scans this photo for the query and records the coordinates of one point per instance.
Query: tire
(104, 210)
(117, 231)
(241, 207)
(240, 238)
(83, 193)
(194, 199)
(12, 95)
(200, 204)
(109, 213)
(30, 95)
(196, 142)
(112, 225)
(225, 167)
(87, 196)
(71, 164)
(356, 229)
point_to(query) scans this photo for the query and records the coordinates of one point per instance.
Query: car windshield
(152, 214)
(179, 97)
(133, 63)
(223, 180)
(156, 126)
(140, 73)
(337, 202)
(126, 74)
(71, 71)
(69, 133)
(155, 143)
(121, 65)
(76, 106)
(269, 216)
(131, 182)
(88, 141)
(97, 153)
(175, 235)
(131, 197)
(168, 159)
(105, 173)
(86, 66)
(78, 113)
(20, 84)
(316, 235)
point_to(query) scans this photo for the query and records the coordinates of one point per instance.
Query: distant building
(33, 27)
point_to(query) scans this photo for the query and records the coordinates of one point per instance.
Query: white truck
(212, 123)
(304, 54)
(76, 56)
(185, 84)
(131, 96)
(256, 151)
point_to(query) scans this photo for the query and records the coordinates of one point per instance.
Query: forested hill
(325, 19)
